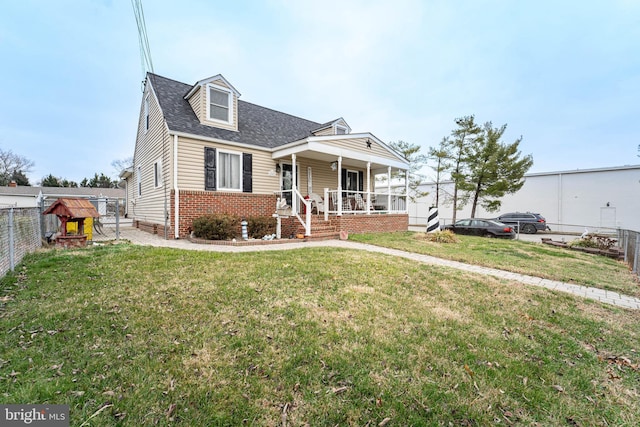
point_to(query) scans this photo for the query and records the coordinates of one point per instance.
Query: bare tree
(121, 164)
(11, 165)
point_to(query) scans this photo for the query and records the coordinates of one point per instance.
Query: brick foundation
(153, 228)
(289, 227)
(194, 204)
(374, 223)
(71, 241)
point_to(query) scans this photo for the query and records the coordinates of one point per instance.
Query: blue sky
(564, 75)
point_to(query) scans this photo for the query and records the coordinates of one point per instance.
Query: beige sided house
(201, 150)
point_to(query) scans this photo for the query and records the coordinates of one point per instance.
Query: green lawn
(516, 256)
(144, 336)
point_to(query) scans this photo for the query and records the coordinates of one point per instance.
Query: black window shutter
(344, 181)
(360, 181)
(247, 173)
(209, 169)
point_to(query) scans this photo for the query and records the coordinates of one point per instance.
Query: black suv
(529, 222)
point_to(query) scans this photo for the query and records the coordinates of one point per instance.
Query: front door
(352, 184)
(286, 181)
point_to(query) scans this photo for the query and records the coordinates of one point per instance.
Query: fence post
(12, 261)
(636, 253)
(117, 219)
(43, 225)
(626, 246)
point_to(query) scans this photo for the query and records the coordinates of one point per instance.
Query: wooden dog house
(72, 210)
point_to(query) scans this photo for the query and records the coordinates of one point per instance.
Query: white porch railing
(338, 202)
(290, 203)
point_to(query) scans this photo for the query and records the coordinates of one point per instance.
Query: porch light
(334, 166)
(278, 169)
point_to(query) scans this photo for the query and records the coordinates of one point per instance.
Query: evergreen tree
(495, 169)
(441, 157)
(411, 152)
(20, 178)
(101, 181)
(50, 181)
(458, 146)
(67, 183)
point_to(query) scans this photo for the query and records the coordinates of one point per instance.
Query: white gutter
(176, 194)
(333, 150)
(329, 138)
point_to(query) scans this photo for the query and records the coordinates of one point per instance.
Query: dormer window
(341, 130)
(219, 104)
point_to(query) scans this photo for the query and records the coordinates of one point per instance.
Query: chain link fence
(630, 241)
(105, 228)
(19, 235)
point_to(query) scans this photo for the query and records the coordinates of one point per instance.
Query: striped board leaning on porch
(433, 223)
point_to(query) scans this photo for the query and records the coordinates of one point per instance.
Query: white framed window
(219, 104)
(146, 113)
(157, 174)
(139, 180)
(341, 130)
(229, 170)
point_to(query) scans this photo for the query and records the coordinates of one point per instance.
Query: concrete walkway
(608, 297)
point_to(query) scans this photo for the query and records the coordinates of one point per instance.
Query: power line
(143, 40)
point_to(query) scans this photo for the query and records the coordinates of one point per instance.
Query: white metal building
(596, 199)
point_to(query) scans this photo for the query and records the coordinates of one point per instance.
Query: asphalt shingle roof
(257, 125)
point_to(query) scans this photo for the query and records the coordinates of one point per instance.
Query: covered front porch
(334, 176)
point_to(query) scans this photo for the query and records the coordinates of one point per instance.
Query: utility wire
(147, 65)
(143, 41)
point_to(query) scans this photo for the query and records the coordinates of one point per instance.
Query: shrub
(583, 243)
(594, 241)
(260, 226)
(216, 227)
(442, 236)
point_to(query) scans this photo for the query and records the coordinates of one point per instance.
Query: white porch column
(294, 185)
(326, 204)
(389, 188)
(339, 185)
(368, 199)
(406, 191)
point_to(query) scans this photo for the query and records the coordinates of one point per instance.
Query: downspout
(294, 185)
(340, 185)
(176, 191)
